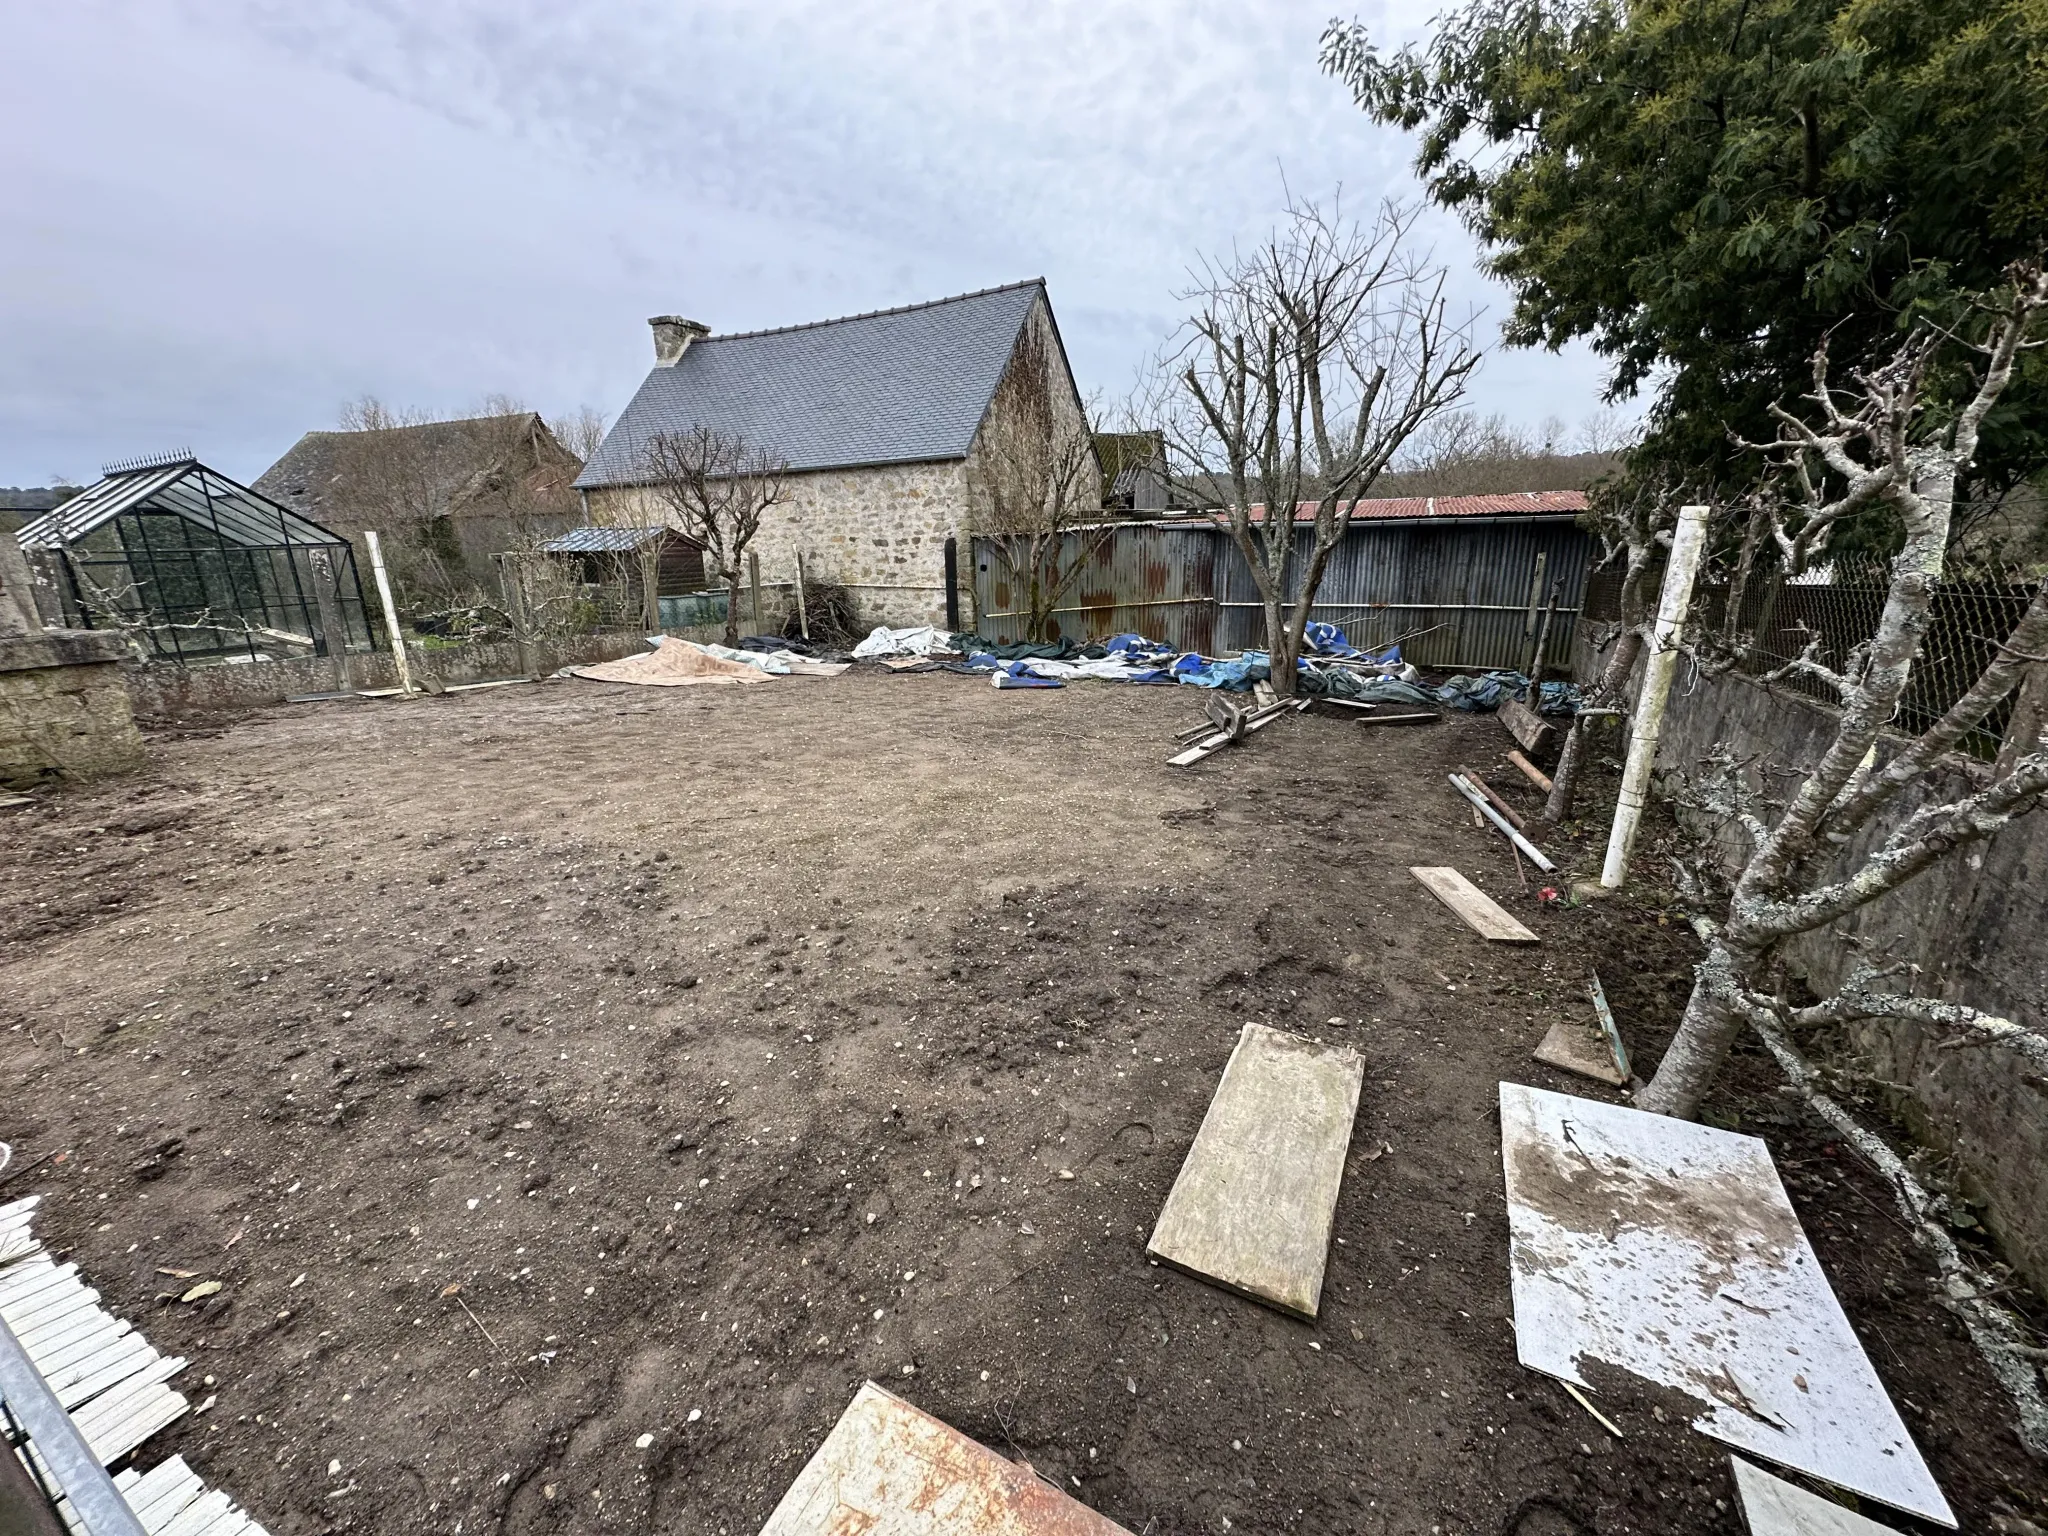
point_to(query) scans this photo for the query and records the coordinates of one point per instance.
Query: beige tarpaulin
(672, 666)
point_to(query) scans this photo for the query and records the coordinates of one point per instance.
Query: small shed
(197, 568)
(626, 572)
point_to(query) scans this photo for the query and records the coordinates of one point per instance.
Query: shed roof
(181, 487)
(896, 386)
(1501, 504)
(605, 541)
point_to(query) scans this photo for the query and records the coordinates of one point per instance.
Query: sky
(221, 221)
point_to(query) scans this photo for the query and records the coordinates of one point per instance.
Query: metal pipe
(952, 584)
(1480, 805)
(97, 1504)
(1688, 543)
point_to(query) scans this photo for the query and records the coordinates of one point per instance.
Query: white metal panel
(1669, 1250)
(1774, 1507)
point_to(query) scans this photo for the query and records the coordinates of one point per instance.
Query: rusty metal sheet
(888, 1469)
(1468, 582)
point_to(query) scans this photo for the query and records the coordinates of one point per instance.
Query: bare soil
(549, 1070)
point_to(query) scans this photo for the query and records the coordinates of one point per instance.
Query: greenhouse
(197, 569)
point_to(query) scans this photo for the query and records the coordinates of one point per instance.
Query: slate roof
(458, 455)
(897, 386)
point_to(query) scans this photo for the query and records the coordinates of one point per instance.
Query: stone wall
(63, 711)
(880, 532)
(162, 692)
(1975, 926)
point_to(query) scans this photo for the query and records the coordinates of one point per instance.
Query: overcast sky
(223, 220)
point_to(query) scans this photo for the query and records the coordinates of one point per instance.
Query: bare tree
(1631, 525)
(718, 485)
(1307, 364)
(581, 432)
(1872, 447)
(1044, 485)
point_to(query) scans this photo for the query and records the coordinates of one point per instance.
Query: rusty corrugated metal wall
(1477, 586)
(1155, 579)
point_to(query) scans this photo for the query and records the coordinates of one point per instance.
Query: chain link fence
(1835, 607)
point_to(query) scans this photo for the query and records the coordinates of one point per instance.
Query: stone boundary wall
(163, 692)
(1976, 925)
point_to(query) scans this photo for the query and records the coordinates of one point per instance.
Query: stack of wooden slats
(108, 1377)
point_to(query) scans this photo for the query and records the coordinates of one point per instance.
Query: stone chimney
(672, 337)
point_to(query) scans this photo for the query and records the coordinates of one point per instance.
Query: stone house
(890, 425)
(443, 496)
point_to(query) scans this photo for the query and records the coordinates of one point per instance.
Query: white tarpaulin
(921, 641)
(1670, 1251)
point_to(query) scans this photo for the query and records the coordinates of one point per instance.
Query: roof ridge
(871, 314)
(413, 426)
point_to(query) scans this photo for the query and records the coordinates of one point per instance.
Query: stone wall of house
(64, 713)
(880, 532)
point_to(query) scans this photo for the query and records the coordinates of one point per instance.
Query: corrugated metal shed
(1467, 588)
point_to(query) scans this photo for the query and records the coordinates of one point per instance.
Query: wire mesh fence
(1826, 613)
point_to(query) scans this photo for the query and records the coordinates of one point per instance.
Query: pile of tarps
(1474, 693)
(919, 640)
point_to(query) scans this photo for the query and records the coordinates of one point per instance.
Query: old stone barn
(886, 422)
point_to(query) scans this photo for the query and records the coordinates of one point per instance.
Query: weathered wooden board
(1669, 1250)
(889, 1469)
(1774, 1507)
(1525, 725)
(1574, 1046)
(1482, 914)
(1252, 1207)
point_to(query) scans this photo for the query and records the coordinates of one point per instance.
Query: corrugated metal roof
(604, 541)
(1502, 504)
(897, 386)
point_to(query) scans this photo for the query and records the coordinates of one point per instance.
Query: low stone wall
(163, 692)
(63, 711)
(1976, 926)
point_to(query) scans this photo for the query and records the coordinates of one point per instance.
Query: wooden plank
(1481, 913)
(1525, 725)
(1773, 1507)
(1220, 740)
(1415, 719)
(890, 1469)
(1252, 1207)
(1531, 772)
(1669, 1250)
(1574, 1046)
(1608, 1027)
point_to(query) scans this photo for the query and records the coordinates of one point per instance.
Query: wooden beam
(1479, 911)
(1525, 725)
(1531, 772)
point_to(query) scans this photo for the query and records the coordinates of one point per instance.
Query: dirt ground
(579, 1090)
